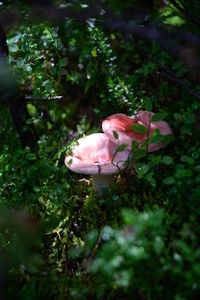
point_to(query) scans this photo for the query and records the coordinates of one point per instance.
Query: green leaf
(182, 173)
(177, 116)
(70, 162)
(177, 65)
(156, 139)
(63, 62)
(28, 69)
(20, 62)
(121, 147)
(159, 116)
(94, 52)
(88, 85)
(31, 156)
(156, 132)
(139, 154)
(197, 168)
(148, 105)
(48, 85)
(115, 134)
(134, 145)
(155, 160)
(187, 159)
(138, 128)
(169, 180)
(13, 48)
(167, 160)
(190, 118)
(142, 169)
(149, 177)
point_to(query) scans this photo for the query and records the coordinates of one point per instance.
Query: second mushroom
(121, 124)
(97, 155)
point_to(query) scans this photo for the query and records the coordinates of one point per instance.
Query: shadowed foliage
(65, 66)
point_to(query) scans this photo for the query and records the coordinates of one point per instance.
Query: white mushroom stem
(102, 181)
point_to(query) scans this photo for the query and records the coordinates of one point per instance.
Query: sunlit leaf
(138, 128)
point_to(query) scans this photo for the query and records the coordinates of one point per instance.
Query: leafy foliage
(139, 239)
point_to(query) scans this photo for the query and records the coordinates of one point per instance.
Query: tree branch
(28, 98)
(169, 74)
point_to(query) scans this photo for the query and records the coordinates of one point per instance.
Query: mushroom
(121, 124)
(144, 117)
(96, 155)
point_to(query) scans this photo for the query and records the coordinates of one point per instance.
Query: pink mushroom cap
(143, 117)
(96, 154)
(121, 123)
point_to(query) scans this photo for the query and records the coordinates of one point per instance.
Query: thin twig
(169, 74)
(96, 247)
(181, 83)
(148, 129)
(185, 12)
(28, 98)
(113, 22)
